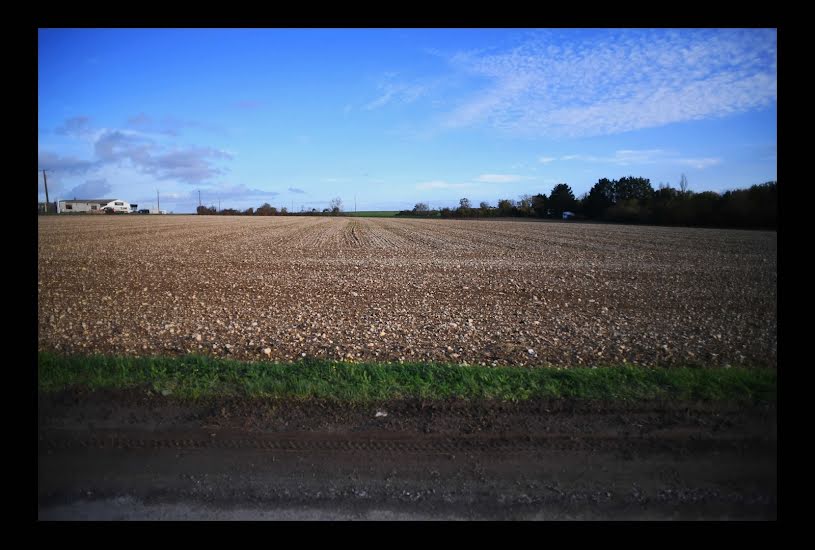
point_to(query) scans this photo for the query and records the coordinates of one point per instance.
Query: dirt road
(105, 456)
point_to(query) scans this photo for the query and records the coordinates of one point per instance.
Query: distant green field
(373, 213)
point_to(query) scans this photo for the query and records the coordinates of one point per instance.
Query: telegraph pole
(355, 203)
(199, 197)
(158, 202)
(45, 180)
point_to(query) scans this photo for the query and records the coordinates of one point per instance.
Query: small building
(95, 206)
(567, 215)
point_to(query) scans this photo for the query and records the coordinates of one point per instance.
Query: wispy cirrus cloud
(613, 81)
(296, 190)
(394, 92)
(628, 157)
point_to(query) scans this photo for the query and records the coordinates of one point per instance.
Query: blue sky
(295, 117)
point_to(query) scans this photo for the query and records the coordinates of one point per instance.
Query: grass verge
(196, 376)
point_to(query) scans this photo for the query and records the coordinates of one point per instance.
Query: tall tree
(505, 207)
(562, 199)
(600, 197)
(465, 209)
(266, 209)
(630, 187)
(540, 204)
(683, 184)
(525, 205)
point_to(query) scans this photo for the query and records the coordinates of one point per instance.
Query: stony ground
(486, 292)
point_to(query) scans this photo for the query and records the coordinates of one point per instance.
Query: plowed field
(476, 292)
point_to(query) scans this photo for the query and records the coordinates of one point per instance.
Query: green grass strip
(196, 376)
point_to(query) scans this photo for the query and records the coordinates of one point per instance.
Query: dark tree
(629, 188)
(465, 209)
(525, 205)
(599, 199)
(562, 199)
(540, 204)
(266, 210)
(506, 207)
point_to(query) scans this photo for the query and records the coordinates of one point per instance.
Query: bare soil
(107, 455)
(363, 289)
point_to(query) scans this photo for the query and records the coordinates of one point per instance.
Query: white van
(117, 206)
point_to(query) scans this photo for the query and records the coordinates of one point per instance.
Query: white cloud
(628, 157)
(612, 81)
(701, 164)
(546, 160)
(397, 93)
(499, 178)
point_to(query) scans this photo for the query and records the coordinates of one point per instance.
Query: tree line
(266, 209)
(631, 200)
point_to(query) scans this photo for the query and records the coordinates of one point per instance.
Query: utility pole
(355, 203)
(219, 205)
(199, 197)
(45, 180)
(158, 202)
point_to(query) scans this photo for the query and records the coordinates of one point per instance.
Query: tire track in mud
(504, 445)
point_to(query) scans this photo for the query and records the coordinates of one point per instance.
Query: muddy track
(387, 444)
(124, 455)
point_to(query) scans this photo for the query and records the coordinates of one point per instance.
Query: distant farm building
(95, 206)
